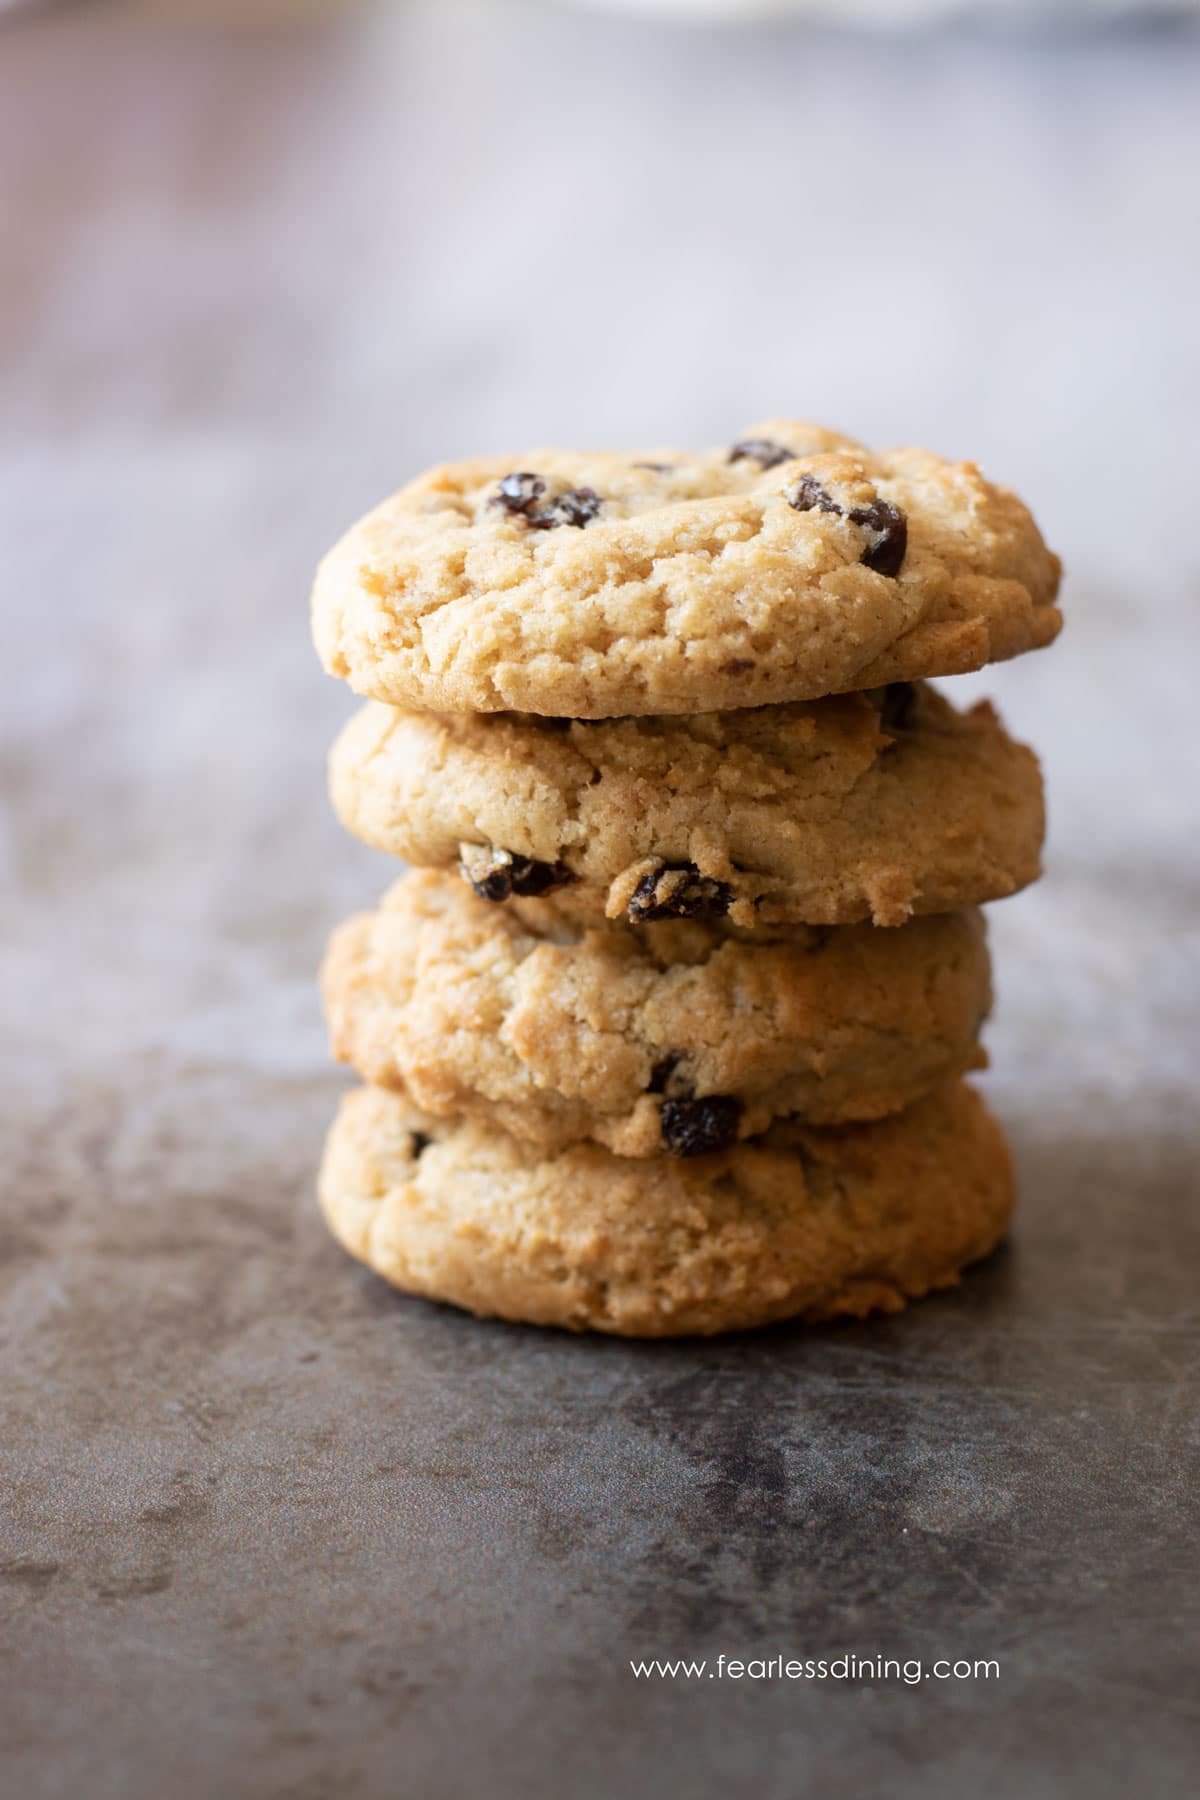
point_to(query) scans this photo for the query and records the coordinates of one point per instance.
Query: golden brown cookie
(823, 812)
(791, 564)
(799, 1223)
(679, 1037)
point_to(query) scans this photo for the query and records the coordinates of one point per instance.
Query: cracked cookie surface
(823, 812)
(677, 1036)
(798, 1223)
(791, 564)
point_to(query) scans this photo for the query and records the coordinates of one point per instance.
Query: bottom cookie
(798, 1223)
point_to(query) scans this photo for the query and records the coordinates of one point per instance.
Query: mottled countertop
(265, 1528)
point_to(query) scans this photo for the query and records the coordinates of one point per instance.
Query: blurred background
(261, 264)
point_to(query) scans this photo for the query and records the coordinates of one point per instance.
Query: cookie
(820, 812)
(790, 564)
(799, 1223)
(676, 1037)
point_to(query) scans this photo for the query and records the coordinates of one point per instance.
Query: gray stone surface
(266, 1529)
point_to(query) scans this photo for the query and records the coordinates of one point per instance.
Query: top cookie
(792, 564)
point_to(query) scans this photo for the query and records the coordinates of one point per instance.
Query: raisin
(887, 536)
(575, 506)
(763, 451)
(697, 1127)
(494, 886)
(519, 493)
(420, 1142)
(498, 875)
(808, 495)
(678, 891)
(885, 525)
(522, 493)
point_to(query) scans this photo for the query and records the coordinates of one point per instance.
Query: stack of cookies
(666, 1030)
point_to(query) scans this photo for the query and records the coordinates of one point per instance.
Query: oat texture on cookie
(665, 1029)
(789, 564)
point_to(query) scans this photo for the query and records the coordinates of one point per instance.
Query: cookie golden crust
(825, 812)
(800, 1223)
(676, 1037)
(792, 564)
